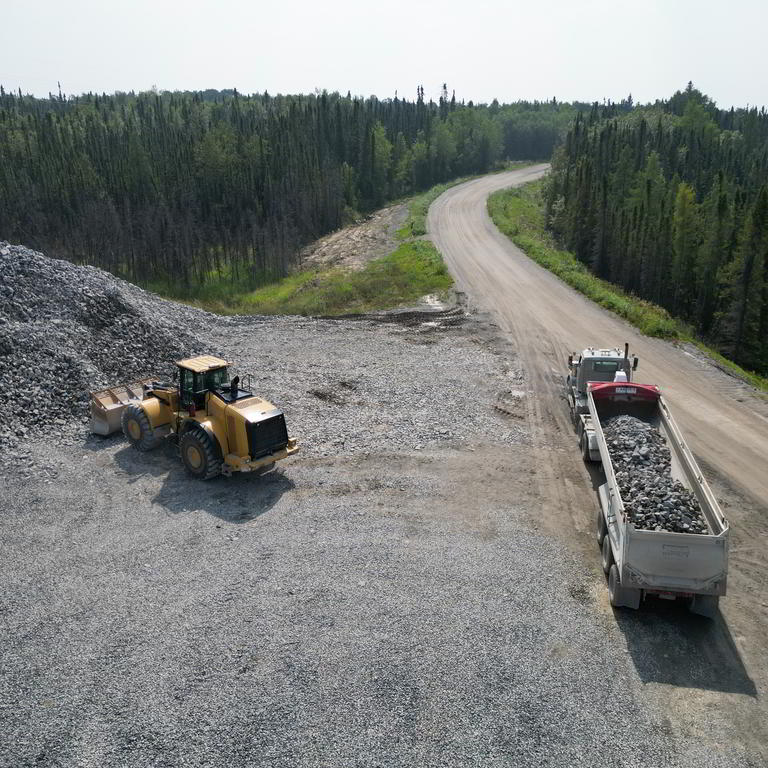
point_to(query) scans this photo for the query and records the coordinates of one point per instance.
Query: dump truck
(219, 425)
(641, 562)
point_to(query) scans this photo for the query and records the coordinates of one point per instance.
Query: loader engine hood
(264, 425)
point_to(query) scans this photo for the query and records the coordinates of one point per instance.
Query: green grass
(519, 214)
(413, 270)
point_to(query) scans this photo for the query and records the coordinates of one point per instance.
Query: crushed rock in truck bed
(653, 499)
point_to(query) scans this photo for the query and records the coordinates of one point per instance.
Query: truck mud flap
(705, 605)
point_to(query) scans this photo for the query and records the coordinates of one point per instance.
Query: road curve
(725, 422)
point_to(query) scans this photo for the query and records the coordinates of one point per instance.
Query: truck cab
(594, 364)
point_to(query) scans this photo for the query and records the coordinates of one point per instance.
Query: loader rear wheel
(198, 455)
(137, 429)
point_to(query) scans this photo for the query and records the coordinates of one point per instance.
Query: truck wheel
(585, 448)
(607, 554)
(198, 455)
(613, 585)
(137, 429)
(602, 528)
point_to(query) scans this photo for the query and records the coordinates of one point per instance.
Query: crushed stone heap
(653, 500)
(66, 330)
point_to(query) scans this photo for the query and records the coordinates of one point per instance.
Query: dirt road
(725, 422)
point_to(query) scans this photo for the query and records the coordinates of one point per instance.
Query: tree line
(670, 201)
(182, 186)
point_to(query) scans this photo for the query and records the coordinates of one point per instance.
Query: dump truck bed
(659, 561)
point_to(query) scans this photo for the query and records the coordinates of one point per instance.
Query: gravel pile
(349, 386)
(653, 499)
(66, 330)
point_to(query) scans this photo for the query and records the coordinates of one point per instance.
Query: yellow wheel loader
(221, 427)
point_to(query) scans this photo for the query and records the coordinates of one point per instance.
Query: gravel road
(724, 421)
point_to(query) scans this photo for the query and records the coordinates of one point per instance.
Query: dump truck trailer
(640, 562)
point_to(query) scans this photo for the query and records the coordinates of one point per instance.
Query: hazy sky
(579, 49)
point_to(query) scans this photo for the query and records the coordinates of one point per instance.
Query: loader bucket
(107, 405)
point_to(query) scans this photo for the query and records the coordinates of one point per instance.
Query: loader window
(186, 381)
(216, 379)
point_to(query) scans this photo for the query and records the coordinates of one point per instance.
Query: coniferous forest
(176, 187)
(670, 201)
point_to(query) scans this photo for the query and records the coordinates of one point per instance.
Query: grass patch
(519, 214)
(411, 271)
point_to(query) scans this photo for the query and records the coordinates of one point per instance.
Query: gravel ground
(385, 598)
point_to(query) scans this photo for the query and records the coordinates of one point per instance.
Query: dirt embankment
(353, 247)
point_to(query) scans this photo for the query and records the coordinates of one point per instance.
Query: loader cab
(198, 376)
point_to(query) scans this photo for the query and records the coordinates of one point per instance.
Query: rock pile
(653, 500)
(66, 330)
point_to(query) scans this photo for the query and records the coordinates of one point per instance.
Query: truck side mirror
(570, 361)
(175, 374)
(635, 361)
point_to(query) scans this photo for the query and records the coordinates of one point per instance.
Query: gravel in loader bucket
(653, 499)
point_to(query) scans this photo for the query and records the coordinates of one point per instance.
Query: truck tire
(607, 554)
(613, 585)
(585, 448)
(137, 429)
(198, 455)
(602, 528)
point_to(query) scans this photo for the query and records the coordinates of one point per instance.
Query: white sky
(518, 49)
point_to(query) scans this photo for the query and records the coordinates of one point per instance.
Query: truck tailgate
(675, 561)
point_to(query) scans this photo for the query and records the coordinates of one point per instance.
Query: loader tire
(199, 455)
(137, 429)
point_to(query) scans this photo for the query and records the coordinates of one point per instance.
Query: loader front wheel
(198, 455)
(137, 429)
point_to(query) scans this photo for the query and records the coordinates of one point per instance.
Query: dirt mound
(65, 330)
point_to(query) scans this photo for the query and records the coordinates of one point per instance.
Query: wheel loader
(220, 426)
